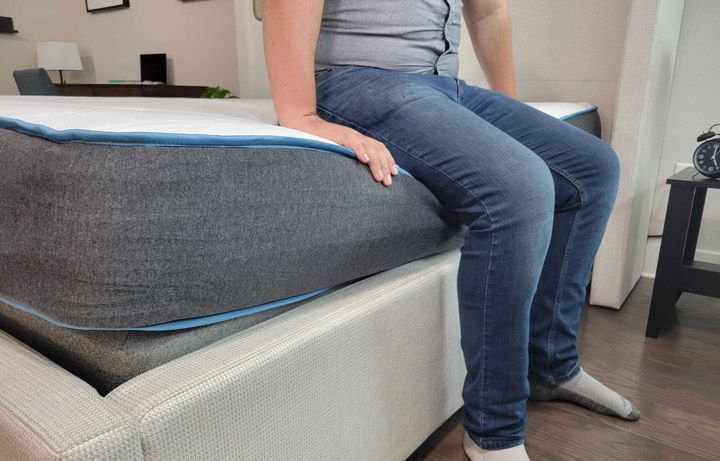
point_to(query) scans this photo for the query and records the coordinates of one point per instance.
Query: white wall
(36, 21)
(251, 56)
(198, 37)
(694, 106)
(642, 104)
(564, 50)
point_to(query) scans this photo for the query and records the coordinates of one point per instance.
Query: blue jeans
(535, 194)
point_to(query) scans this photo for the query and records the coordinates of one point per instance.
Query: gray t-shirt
(418, 36)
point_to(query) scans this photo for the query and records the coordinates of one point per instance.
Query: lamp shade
(58, 56)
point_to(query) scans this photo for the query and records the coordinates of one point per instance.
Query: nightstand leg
(672, 248)
(694, 229)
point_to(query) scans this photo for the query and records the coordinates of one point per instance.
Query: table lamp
(59, 56)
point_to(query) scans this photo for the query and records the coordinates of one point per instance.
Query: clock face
(707, 158)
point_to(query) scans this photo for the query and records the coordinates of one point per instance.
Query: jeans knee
(532, 195)
(610, 164)
(605, 165)
(524, 200)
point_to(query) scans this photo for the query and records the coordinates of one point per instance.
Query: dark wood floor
(674, 381)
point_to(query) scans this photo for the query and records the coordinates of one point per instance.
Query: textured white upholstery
(640, 113)
(366, 373)
(48, 414)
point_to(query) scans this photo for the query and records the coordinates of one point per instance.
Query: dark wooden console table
(677, 269)
(153, 91)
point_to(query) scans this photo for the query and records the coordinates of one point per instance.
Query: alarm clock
(706, 157)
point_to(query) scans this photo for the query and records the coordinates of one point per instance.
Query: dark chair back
(34, 82)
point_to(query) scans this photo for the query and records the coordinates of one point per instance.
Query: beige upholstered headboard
(641, 107)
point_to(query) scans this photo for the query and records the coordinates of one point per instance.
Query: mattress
(582, 115)
(198, 215)
(167, 216)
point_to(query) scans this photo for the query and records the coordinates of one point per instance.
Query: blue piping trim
(184, 323)
(173, 140)
(584, 111)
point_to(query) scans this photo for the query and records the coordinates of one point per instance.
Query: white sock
(475, 453)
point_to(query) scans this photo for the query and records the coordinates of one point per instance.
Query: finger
(383, 161)
(385, 166)
(361, 151)
(390, 160)
(356, 146)
(393, 166)
(376, 168)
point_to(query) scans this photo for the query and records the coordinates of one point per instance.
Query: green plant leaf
(218, 93)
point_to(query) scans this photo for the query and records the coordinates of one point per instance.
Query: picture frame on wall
(93, 6)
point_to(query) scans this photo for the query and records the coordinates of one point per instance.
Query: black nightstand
(677, 270)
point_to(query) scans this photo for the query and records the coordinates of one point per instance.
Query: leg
(672, 247)
(586, 173)
(504, 194)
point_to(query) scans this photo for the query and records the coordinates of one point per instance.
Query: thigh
(584, 167)
(462, 158)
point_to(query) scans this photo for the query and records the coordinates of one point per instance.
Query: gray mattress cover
(109, 236)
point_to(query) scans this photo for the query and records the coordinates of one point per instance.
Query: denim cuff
(555, 380)
(567, 377)
(496, 444)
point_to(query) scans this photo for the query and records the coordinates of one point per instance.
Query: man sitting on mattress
(380, 77)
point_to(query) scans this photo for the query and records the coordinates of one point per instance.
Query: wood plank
(592, 439)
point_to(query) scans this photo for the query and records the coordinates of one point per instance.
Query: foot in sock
(588, 392)
(475, 453)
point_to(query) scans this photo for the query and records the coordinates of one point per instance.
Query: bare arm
(290, 34)
(488, 23)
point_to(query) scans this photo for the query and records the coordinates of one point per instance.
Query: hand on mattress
(369, 151)
(290, 34)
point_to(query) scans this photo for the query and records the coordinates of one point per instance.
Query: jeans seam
(484, 310)
(563, 272)
(567, 176)
(340, 70)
